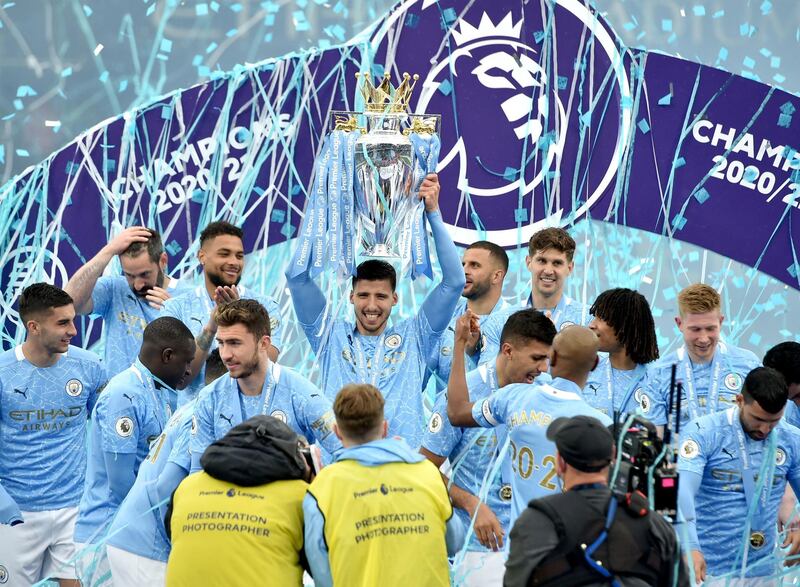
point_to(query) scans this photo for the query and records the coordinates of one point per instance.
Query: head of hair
(215, 368)
(698, 298)
(628, 313)
(248, 312)
(785, 359)
(166, 332)
(527, 325)
(219, 228)
(496, 252)
(153, 246)
(40, 297)
(552, 238)
(358, 409)
(766, 386)
(375, 270)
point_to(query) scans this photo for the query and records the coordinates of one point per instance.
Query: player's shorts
(132, 570)
(479, 569)
(38, 549)
(91, 565)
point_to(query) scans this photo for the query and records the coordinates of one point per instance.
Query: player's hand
(488, 529)
(699, 562)
(787, 518)
(468, 329)
(793, 542)
(429, 191)
(226, 294)
(134, 234)
(156, 296)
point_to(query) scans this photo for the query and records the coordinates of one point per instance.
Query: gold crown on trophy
(384, 97)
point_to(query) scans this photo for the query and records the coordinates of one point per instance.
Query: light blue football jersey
(286, 395)
(394, 362)
(138, 526)
(527, 411)
(710, 446)
(125, 316)
(707, 387)
(566, 313)
(130, 414)
(471, 452)
(792, 414)
(194, 309)
(614, 390)
(439, 363)
(43, 414)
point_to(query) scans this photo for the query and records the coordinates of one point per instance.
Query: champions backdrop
(651, 161)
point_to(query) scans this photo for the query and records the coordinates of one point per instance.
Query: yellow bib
(223, 534)
(384, 525)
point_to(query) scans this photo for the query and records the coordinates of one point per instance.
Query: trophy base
(381, 251)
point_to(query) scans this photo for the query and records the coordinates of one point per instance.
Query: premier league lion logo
(535, 109)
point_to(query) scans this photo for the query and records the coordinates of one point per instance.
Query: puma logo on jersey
(227, 419)
(23, 392)
(130, 399)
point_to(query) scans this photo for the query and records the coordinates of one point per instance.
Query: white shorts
(132, 570)
(91, 565)
(481, 569)
(38, 549)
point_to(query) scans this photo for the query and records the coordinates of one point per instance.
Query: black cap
(258, 451)
(583, 442)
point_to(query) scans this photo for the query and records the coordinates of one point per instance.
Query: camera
(638, 452)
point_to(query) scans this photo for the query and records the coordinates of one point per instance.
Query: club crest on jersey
(280, 415)
(689, 449)
(274, 322)
(347, 355)
(645, 403)
(780, 456)
(505, 492)
(733, 381)
(124, 427)
(393, 341)
(74, 387)
(446, 350)
(3, 574)
(194, 425)
(435, 423)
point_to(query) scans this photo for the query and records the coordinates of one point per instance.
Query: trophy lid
(384, 97)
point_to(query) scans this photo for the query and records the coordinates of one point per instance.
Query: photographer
(241, 518)
(586, 535)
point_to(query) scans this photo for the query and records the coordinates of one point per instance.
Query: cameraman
(587, 536)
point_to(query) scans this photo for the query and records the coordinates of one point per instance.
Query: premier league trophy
(368, 174)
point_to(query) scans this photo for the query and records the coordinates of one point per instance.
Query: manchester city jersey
(194, 310)
(286, 395)
(394, 362)
(471, 452)
(527, 411)
(43, 413)
(710, 446)
(440, 362)
(125, 316)
(129, 415)
(567, 313)
(614, 390)
(138, 526)
(707, 387)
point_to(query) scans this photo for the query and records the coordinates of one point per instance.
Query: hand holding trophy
(370, 187)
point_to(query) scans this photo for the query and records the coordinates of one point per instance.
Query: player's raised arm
(440, 303)
(308, 300)
(459, 408)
